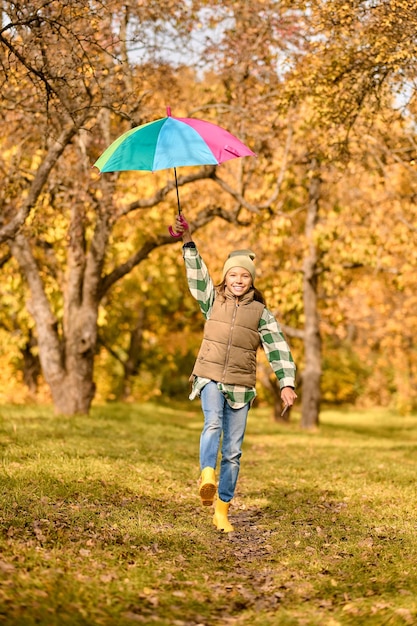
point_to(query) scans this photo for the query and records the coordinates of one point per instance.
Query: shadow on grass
(372, 431)
(96, 513)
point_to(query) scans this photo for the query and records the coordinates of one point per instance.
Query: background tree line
(93, 298)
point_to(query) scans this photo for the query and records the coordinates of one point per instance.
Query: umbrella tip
(169, 111)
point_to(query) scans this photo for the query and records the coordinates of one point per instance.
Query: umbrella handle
(184, 224)
(173, 233)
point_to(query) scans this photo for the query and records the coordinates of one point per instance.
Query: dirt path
(247, 571)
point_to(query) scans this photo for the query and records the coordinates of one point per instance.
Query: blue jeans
(219, 417)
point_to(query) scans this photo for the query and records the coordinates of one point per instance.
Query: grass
(101, 524)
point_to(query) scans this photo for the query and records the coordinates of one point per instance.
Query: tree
(358, 56)
(69, 68)
(302, 87)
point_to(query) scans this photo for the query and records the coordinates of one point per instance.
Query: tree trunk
(80, 344)
(311, 376)
(66, 361)
(273, 385)
(132, 364)
(31, 365)
(270, 382)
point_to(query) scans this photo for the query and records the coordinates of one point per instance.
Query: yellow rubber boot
(208, 488)
(220, 519)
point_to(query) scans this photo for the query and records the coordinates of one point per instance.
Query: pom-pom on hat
(240, 258)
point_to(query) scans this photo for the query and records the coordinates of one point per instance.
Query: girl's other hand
(288, 396)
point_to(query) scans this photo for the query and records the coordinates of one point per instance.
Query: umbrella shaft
(176, 187)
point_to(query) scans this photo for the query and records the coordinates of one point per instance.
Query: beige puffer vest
(231, 339)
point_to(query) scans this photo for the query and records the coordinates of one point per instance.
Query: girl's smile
(238, 281)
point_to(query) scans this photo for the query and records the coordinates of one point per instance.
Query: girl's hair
(257, 295)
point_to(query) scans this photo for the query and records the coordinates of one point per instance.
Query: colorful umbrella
(171, 142)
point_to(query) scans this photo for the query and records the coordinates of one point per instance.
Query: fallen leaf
(406, 615)
(107, 578)
(351, 608)
(6, 567)
(84, 552)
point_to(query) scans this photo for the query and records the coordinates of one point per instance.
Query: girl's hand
(181, 224)
(182, 228)
(288, 397)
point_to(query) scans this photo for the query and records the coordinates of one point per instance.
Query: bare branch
(281, 174)
(9, 230)
(31, 69)
(237, 196)
(204, 217)
(4, 259)
(292, 332)
(408, 224)
(146, 203)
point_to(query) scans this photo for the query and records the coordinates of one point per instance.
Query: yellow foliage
(334, 99)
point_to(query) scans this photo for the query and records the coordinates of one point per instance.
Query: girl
(224, 375)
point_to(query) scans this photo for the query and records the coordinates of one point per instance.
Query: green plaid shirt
(272, 339)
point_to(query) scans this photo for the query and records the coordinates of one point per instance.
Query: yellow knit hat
(240, 258)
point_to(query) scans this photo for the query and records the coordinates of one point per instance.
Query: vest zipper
(229, 345)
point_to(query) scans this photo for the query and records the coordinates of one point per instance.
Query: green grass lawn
(101, 523)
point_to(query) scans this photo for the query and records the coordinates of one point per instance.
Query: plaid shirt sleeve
(200, 283)
(276, 349)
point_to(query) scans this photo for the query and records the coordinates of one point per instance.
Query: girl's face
(238, 281)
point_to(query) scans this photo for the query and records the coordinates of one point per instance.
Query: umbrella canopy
(171, 142)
